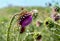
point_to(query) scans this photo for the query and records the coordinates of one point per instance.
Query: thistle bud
(38, 37)
(49, 22)
(38, 23)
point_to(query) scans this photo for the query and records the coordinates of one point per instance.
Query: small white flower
(35, 11)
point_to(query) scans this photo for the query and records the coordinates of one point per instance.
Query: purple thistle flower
(55, 17)
(24, 21)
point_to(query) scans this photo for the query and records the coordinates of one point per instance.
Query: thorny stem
(8, 38)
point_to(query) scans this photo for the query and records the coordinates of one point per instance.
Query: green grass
(6, 15)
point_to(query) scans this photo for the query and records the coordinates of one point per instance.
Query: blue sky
(4, 3)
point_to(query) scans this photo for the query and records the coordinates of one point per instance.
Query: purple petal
(27, 21)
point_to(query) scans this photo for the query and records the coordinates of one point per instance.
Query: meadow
(6, 15)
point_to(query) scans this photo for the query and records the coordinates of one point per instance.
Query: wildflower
(55, 9)
(38, 23)
(37, 36)
(55, 16)
(35, 13)
(25, 20)
(49, 22)
(53, 27)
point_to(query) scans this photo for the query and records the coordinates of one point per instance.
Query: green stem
(8, 38)
(30, 33)
(19, 35)
(27, 34)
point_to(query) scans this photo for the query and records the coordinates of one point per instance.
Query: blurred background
(6, 3)
(8, 8)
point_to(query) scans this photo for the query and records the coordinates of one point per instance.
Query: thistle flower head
(24, 21)
(57, 18)
(37, 36)
(56, 9)
(49, 22)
